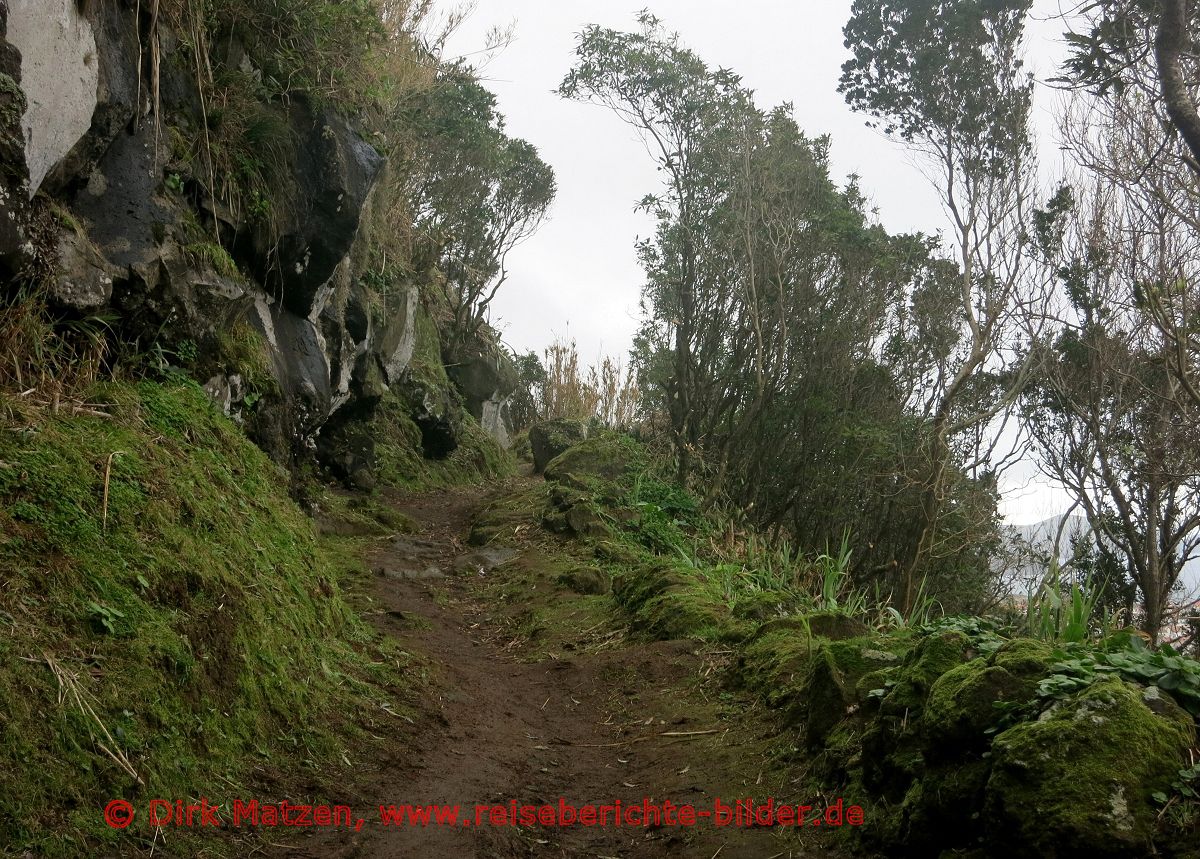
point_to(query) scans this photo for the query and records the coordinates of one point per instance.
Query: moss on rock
(667, 602)
(932, 657)
(968, 701)
(831, 688)
(548, 439)
(607, 455)
(1077, 782)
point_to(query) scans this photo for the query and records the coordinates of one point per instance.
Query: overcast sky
(578, 277)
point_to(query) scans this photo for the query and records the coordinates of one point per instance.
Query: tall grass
(606, 392)
(43, 358)
(837, 594)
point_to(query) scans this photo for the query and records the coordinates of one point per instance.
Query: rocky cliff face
(279, 317)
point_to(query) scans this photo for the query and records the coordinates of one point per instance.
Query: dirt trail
(626, 722)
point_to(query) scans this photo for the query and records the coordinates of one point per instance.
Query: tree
(1137, 54)
(1108, 422)
(771, 303)
(677, 105)
(480, 193)
(1111, 419)
(945, 76)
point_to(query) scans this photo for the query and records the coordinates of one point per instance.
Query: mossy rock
(586, 580)
(759, 605)
(1024, 657)
(1078, 781)
(635, 587)
(893, 748)
(775, 664)
(606, 455)
(586, 521)
(892, 758)
(685, 611)
(940, 810)
(932, 657)
(962, 706)
(548, 439)
(835, 626)
(830, 690)
(826, 698)
(875, 682)
(842, 753)
(614, 552)
(963, 703)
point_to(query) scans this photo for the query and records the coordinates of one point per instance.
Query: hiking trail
(599, 717)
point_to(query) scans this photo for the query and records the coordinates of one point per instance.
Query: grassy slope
(194, 628)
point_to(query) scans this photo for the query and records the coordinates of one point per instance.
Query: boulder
(486, 376)
(586, 580)
(83, 278)
(16, 252)
(549, 439)
(60, 76)
(1078, 781)
(334, 171)
(967, 702)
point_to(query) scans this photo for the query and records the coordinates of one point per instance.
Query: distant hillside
(1037, 540)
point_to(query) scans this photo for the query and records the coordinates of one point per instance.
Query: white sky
(579, 275)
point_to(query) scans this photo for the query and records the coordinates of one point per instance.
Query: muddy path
(621, 720)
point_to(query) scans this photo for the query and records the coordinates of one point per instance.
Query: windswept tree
(479, 193)
(678, 106)
(774, 310)
(946, 77)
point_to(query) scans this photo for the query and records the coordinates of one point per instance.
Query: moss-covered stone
(940, 810)
(614, 552)
(758, 605)
(548, 439)
(1077, 782)
(835, 625)
(606, 455)
(585, 520)
(831, 689)
(932, 657)
(668, 602)
(774, 664)
(1024, 657)
(683, 611)
(586, 580)
(968, 701)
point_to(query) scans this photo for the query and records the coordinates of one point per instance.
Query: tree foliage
(782, 328)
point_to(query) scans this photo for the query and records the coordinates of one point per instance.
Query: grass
(214, 256)
(171, 626)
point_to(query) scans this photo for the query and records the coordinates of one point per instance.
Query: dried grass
(607, 392)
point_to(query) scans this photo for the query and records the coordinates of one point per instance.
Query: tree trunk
(1170, 44)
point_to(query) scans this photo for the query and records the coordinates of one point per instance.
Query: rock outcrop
(94, 197)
